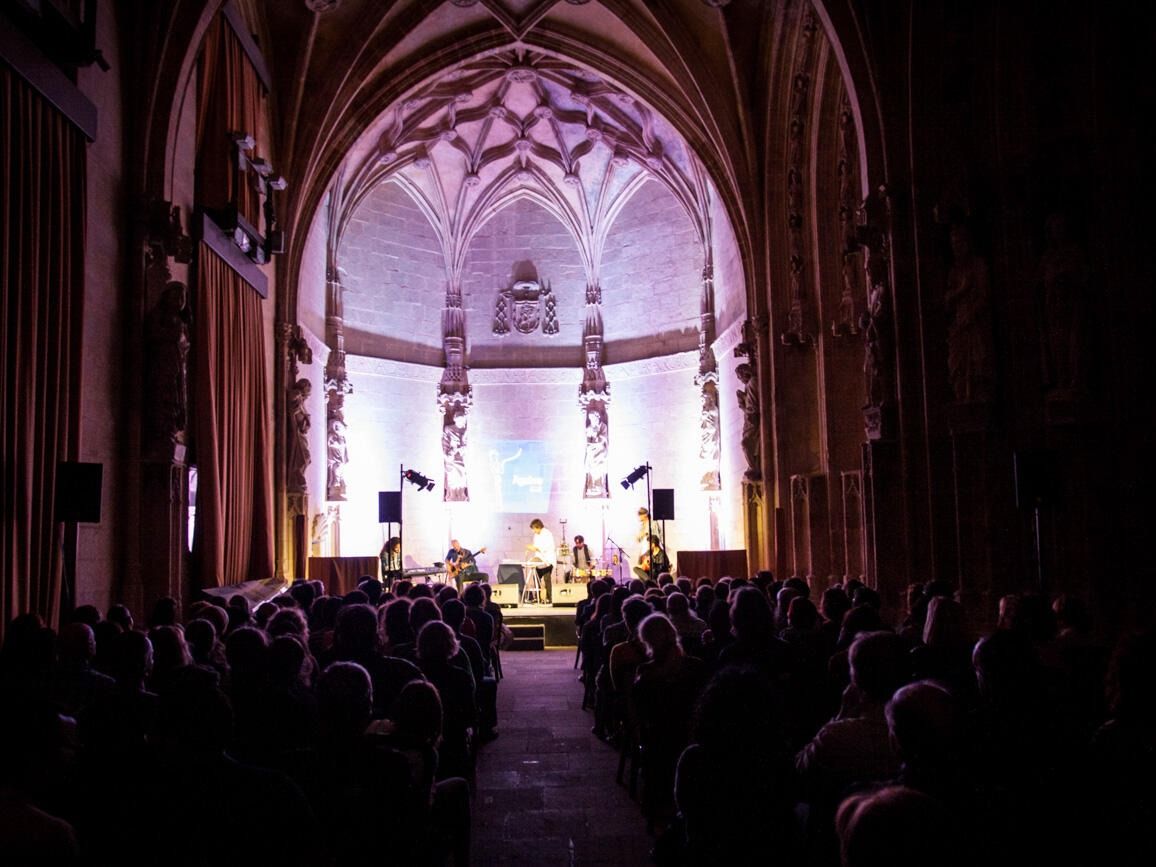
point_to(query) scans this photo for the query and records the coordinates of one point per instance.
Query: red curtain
(230, 99)
(233, 539)
(42, 214)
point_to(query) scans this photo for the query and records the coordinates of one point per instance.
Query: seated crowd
(757, 725)
(311, 730)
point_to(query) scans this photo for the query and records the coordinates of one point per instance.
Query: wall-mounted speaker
(78, 492)
(663, 504)
(1035, 477)
(389, 507)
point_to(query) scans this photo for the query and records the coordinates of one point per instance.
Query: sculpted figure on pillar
(1064, 289)
(970, 360)
(869, 324)
(298, 439)
(709, 448)
(748, 397)
(166, 373)
(454, 429)
(597, 449)
(338, 457)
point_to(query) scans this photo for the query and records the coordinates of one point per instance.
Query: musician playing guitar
(461, 562)
(653, 562)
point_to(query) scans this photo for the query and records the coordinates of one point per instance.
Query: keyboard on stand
(428, 573)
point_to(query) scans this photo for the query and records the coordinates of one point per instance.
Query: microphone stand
(620, 553)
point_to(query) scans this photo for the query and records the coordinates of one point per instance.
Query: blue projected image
(522, 472)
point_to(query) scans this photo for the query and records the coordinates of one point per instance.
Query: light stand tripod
(636, 474)
(423, 484)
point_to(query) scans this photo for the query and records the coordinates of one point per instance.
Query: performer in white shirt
(542, 550)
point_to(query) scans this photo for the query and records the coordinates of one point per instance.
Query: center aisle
(546, 791)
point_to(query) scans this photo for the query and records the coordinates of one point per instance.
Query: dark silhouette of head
(356, 631)
(344, 700)
(896, 826)
(751, 618)
(436, 643)
(878, 664)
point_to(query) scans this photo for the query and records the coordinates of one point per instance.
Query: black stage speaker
(505, 595)
(663, 504)
(510, 573)
(1035, 476)
(389, 507)
(78, 492)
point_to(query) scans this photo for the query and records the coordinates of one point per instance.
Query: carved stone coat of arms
(525, 306)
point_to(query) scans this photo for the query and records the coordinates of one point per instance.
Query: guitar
(465, 564)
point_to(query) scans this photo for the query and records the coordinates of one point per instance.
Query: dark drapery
(233, 539)
(42, 214)
(230, 100)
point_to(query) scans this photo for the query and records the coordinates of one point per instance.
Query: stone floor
(546, 791)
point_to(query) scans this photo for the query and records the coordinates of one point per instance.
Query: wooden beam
(45, 78)
(236, 21)
(221, 243)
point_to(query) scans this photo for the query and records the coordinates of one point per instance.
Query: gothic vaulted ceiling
(571, 101)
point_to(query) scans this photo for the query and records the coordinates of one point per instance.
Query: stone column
(454, 398)
(164, 475)
(883, 492)
(337, 386)
(707, 381)
(297, 458)
(594, 400)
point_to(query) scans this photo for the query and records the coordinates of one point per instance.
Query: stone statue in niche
(709, 449)
(1064, 287)
(338, 457)
(298, 440)
(749, 406)
(166, 371)
(967, 301)
(454, 453)
(597, 449)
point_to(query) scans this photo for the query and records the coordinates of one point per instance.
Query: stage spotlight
(637, 474)
(416, 478)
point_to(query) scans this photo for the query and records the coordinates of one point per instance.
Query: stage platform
(557, 622)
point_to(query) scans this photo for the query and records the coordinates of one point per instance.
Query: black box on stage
(663, 504)
(510, 573)
(505, 595)
(78, 492)
(389, 507)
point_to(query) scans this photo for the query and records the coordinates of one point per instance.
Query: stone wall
(653, 415)
(391, 268)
